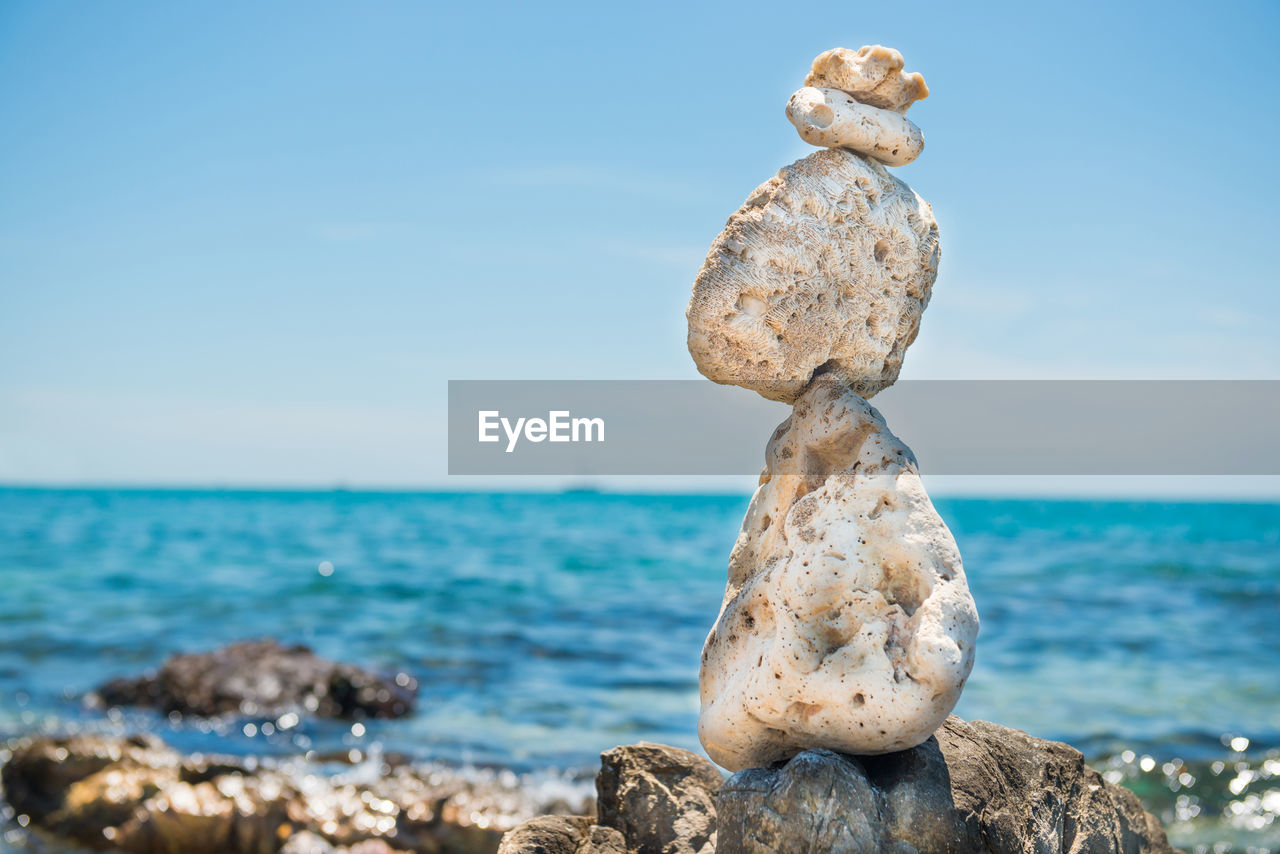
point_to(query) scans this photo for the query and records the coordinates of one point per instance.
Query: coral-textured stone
(847, 622)
(873, 74)
(831, 118)
(829, 265)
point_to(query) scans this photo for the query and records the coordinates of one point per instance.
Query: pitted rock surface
(826, 268)
(847, 621)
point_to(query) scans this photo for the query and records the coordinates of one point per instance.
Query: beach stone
(825, 269)
(831, 118)
(661, 798)
(847, 622)
(53, 780)
(263, 678)
(310, 843)
(562, 834)
(307, 843)
(872, 74)
(232, 813)
(975, 788)
(138, 795)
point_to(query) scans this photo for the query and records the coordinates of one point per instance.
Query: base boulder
(973, 788)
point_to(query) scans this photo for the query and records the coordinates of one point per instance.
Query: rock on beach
(263, 678)
(139, 795)
(974, 788)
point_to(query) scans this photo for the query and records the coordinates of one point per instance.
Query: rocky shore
(141, 796)
(973, 787)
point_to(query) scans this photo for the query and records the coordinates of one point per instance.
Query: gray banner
(694, 427)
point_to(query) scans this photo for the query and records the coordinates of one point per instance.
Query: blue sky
(249, 243)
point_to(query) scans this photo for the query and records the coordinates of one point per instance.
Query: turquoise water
(544, 628)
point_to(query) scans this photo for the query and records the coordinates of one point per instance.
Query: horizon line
(604, 489)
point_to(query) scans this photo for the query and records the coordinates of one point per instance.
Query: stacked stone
(847, 629)
(847, 623)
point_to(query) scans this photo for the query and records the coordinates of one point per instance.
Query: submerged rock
(262, 677)
(138, 795)
(662, 799)
(975, 788)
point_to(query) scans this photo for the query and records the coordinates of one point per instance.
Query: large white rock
(826, 268)
(831, 118)
(847, 622)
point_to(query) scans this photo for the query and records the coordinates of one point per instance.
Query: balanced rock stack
(847, 623)
(847, 630)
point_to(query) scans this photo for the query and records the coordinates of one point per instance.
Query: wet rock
(661, 798)
(138, 795)
(974, 788)
(52, 780)
(562, 834)
(262, 677)
(307, 843)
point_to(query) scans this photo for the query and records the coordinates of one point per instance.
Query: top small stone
(872, 74)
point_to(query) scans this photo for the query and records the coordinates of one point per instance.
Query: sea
(546, 627)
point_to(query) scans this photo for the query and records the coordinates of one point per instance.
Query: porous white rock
(847, 623)
(873, 74)
(828, 265)
(831, 118)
